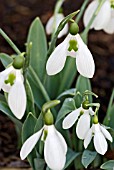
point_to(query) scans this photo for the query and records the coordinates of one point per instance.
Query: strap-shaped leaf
(27, 131)
(109, 165)
(39, 48)
(5, 59)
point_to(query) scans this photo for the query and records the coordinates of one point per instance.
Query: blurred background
(15, 19)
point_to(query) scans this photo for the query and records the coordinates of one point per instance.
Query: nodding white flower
(105, 18)
(99, 134)
(55, 147)
(83, 124)
(11, 81)
(72, 46)
(53, 24)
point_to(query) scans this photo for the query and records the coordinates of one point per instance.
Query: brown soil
(15, 18)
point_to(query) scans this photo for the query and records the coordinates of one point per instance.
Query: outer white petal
(29, 144)
(84, 59)
(17, 98)
(88, 138)
(71, 118)
(89, 12)
(55, 149)
(57, 59)
(3, 75)
(109, 27)
(106, 133)
(91, 112)
(56, 21)
(102, 18)
(83, 126)
(100, 142)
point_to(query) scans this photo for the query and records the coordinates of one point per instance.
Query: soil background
(15, 18)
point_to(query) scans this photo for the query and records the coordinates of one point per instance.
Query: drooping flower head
(53, 24)
(12, 82)
(105, 18)
(99, 134)
(83, 115)
(55, 147)
(72, 46)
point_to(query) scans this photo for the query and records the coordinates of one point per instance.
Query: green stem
(10, 41)
(45, 94)
(81, 11)
(85, 32)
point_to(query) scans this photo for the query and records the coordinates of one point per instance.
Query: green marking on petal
(81, 112)
(11, 79)
(45, 135)
(112, 3)
(73, 45)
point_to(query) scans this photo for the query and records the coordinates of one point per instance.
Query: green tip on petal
(11, 79)
(73, 45)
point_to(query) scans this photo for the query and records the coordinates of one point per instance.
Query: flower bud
(74, 28)
(84, 104)
(18, 61)
(95, 119)
(48, 118)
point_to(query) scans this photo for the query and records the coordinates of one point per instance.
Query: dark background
(15, 18)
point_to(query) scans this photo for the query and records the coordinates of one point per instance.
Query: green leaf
(39, 163)
(109, 165)
(110, 110)
(88, 157)
(5, 109)
(83, 84)
(5, 59)
(69, 92)
(71, 155)
(27, 131)
(68, 106)
(30, 99)
(39, 123)
(39, 48)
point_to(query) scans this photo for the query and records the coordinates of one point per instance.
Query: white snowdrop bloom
(55, 147)
(105, 18)
(53, 24)
(72, 46)
(83, 124)
(11, 81)
(99, 134)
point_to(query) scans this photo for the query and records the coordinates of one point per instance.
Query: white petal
(89, 12)
(57, 59)
(55, 149)
(88, 138)
(54, 22)
(3, 75)
(100, 142)
(91, 112)
(84, 60)
(71, 118)
(106, 133)
(109, 27)
(17, 99)
(102, 18)
(83, 126)
(29, 144)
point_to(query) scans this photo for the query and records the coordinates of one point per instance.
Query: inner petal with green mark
(112, 3)
(81, 112)
(73, 45)
(11, 79)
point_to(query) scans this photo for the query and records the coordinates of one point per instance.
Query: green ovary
(11, 79)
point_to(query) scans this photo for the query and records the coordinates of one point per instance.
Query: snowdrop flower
(55, 147)
(11, 81)
(72, 46)
(105, 18)
(83, 124)
(54, 22)
(99, 134)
